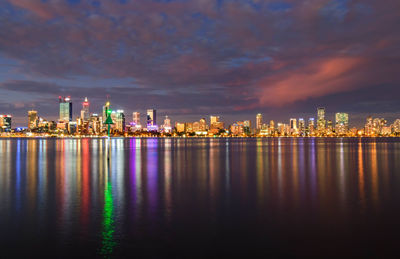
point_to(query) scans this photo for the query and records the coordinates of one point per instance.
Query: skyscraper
(65, 109)
(5, 123)
(311, 126)
(151, 117)
(259, 121)
(85, 115)
(119, 121)
(341, 122)
(32, 119)
(202, 124)
(302, 125)
(106, 107)
(136, 118)
(321, 123)
(167, 125)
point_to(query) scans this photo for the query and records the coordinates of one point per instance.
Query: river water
(200, 197)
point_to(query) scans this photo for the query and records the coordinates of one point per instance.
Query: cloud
(244, 55)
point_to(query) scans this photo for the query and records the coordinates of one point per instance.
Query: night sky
(192, 59)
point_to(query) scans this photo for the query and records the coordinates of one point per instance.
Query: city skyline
(236, 58)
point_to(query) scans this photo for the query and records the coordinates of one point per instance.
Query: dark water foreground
(195, 198)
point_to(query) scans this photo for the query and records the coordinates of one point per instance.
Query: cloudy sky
(191, 59)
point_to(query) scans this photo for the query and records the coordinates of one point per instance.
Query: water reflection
(107, 197)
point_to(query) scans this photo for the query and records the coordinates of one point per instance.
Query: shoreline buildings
(93, 125)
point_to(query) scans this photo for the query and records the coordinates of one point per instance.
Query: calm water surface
(192, 198)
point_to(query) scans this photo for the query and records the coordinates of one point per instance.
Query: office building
(5, 123)
(85, 115)
(32, 120)
(151, 117)
(259, 121)
(136, 118)
(321, 122)
(65, 108)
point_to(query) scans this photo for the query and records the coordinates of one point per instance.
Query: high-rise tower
(321, 122)
(32, 119)
(259, 121)
(151, 117)
(65, 108)
(85, 115)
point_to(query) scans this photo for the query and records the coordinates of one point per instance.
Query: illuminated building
(189, 127)
(259, 121)
(119, 121)
(396, 126)
(293, 126)
(214, 119)
(311, 126)
(215, 125)
(167, 125)
(329, 126)
(106, 107)
(85, 115)
(136, 118)
(151, 118)
(321, 122)
(202, 124)
(95, 124)
(237, 128)
(5, 123)
(72, 127)
(180, 127)
(247, 127)
(302, 126)
(32, 120)
(341, 123)
(65, 109)
(196, 126)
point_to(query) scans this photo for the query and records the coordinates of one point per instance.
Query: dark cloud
(194, 57)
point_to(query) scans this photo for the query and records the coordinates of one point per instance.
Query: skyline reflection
(68, 192)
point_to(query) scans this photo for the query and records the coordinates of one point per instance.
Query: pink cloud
(320, 78)
(35, 6)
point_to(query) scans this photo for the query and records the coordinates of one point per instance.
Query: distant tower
(293, 124)
(136, 118)
(321, 122)
(202, 124)
(120, 121)
(151, 117)
(85, 115)
(5, 123)
(106, 107)
(167, 124)
(65, 109)
(259, 121)
(32, 119)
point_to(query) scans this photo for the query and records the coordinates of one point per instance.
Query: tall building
(341, 122)
(302, 125)
(32, 119)
(5, 123)
(311, 126)
(85, 115)
(65, 108)
(106, 107)
(136, 118)
(259, 121)
(293, 124)
(119, 121)
(151, 117)
(321, 122)
(214, 119)
(167, 125)
(202, 124)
